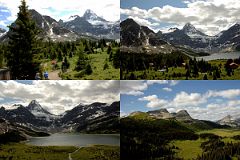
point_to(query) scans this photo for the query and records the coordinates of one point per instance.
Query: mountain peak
(189, 28)
(89, 11)
(92, 17)
(183, 115)
(89, 14)
(34, 105)
(183, 112)
(191, 31)
(34, 102)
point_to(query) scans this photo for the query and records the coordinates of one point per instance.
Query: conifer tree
(22, 41)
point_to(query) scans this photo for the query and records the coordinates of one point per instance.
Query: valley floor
(179, 73)
(21, 151)
(190, 149)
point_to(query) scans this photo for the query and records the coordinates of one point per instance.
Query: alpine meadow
(182, 120)
(36, 46)
(180, 40)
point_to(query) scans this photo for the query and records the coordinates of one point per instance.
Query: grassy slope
(97, 62)
(151, 74)
(20, 151)
(98, 152)
(190, 149)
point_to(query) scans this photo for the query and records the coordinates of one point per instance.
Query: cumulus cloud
(191, 99)
(209, 16)
(211, 105)
(58, 96)
(167, 89)
(154, 101)
(137, 88)
(231, 93)
(63, 9)
(134, 88)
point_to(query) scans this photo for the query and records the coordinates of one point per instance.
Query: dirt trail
(53, 75)
(70, 154)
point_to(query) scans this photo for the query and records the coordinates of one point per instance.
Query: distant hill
(182, 117)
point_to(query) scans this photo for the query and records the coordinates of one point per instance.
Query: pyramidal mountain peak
(88, 13)
(86, 117)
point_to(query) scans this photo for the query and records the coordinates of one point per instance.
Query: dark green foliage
(81, 63)
(12, 136)
(237, 137)
(215, 149)
(109, 50)
(148, 139)
(116, 59)
(88, 69)
(205, 77)
(105, 66)
(22, 45)
(208, 136)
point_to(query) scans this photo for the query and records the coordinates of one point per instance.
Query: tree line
(24, 50)
(132, 62)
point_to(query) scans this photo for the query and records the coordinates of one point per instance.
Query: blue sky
(148, 4)
(211, 100)
(208, 16)
(60, 9)
(58, 96)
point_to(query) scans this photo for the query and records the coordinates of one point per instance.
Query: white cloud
(173, 82)
(137, 88)
(154, 101)
(58, 96)
(210, 16)
(132, 87)
(150, 82)
(62, 9)
(191, 99)
(231, 93)
(167, 89)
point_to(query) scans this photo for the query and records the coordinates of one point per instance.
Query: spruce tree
(22, 41)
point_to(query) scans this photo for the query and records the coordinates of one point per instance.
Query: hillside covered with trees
(28, 56)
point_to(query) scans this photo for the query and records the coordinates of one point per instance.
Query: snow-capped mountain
(88, 118)
(93, 18)
(233, 121)
(192, 32)
(189, 36)
(91, 24)
(132, 34)
(36, 109)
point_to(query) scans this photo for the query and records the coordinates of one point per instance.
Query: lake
(75, 140)
(215, 56)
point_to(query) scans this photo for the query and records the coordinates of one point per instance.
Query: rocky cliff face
(96, 117)
(132, 34)
(90, 25)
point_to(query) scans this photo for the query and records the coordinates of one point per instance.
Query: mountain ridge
(188, 36)
(77, 27)
(82, 118)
